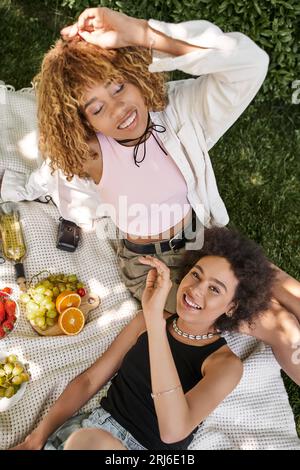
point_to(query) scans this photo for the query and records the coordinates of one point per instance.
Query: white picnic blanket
(256, 415)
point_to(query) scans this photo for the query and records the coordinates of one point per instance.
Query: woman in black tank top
(169, 373)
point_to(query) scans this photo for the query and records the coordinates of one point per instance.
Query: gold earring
(231, 311)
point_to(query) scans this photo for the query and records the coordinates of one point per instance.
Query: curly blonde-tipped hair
(66, 72)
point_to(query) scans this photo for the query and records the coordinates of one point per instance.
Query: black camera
(68, 235)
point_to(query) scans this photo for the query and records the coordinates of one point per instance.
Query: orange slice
(71, 321)
(66, 300)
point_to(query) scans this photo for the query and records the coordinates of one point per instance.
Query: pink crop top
(145, 200)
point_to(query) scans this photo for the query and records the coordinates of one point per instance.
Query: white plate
(7, 403)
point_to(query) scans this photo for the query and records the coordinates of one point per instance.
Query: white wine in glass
(13, 244)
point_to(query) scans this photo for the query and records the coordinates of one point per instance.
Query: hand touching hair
(68, 69)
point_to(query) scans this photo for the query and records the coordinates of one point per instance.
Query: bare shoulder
(222, 371)
(94, 166)
(94, 146)
(224, 359)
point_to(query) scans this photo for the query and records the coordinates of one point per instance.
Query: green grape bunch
(12, 375)
(40, 298)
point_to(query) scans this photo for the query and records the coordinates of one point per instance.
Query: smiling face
(116, 110)
(206, 292)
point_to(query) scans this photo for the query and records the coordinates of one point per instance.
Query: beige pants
(134, 273)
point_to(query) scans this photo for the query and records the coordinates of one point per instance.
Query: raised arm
(230, 66)
(178, 413)
(84, 386)
(220, 376)
(111, 30)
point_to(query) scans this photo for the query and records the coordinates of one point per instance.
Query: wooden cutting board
(89, 302)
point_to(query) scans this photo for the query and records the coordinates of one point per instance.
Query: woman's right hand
(158, 286)
(107, 28)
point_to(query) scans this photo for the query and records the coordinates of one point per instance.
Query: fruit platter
(14, 377)
(57, 304)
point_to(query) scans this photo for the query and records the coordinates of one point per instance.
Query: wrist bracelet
(155, 395)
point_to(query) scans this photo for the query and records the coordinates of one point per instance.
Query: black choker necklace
(187, 335)
(143, 138)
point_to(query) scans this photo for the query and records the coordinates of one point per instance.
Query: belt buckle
(176, 237)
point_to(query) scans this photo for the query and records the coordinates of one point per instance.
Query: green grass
(256, 163)
(28, 30)
(257, 168)
(258, 172)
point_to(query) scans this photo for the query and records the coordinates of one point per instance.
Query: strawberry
(2, 332)
(81, 292)
(7, 326)
(12, 318)
(2, 312)
(10, 306)
(6, 290)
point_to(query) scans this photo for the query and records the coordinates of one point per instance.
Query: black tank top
(128, 399)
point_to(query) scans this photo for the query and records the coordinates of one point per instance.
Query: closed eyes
(97, 111)
(118, 89)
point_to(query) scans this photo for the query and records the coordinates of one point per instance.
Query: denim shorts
(97, 419)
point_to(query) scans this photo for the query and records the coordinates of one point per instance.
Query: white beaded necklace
(187, 335)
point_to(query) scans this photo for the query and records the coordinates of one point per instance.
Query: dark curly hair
(250, 266)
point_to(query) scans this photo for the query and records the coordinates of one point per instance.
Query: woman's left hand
(158, 286)
(106, 28)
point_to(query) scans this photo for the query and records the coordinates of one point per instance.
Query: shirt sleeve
(17, 186)
(76, 200)
(230, 68)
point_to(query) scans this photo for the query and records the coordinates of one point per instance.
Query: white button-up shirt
(229, 70)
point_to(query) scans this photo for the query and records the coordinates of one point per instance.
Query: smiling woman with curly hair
(169, 372)
(67, 70)
(248, 263)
